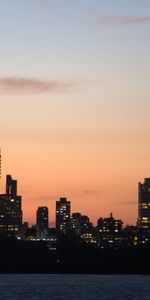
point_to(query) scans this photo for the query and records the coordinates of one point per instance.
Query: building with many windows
(10, 208)
(81, 226)
(109, 231)
(144, 204)
(63, 208)
(109, 225)
(42, 222)
(75, 223)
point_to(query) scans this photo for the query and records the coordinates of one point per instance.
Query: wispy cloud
(78, 194)
(90, 193)
(16, 85)
(126, 203)
(48, 197)
(21, 85)
(86, 193)
(120, 21)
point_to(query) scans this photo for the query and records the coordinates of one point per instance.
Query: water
(74, 287)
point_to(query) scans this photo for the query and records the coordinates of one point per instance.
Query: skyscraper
(10, 208)
(109, 232)
(75, 223)
(63, 215)
(42, 222)
(11, 186)
(109, 226)
(144, 204)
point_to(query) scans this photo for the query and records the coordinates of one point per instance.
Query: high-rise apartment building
(10, 208)
(109, 226)
(11, 186)
(144, 204)
(63, 215)
(81, 226)
(85, 224)
(75, 223)
(42, 222)
(109, 232)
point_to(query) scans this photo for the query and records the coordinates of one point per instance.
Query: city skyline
(109, 232)
(52, 222)
(74, 102)
(45, 202)
(12, 213)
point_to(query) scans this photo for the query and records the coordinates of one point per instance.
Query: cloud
(21, 85)
(86, 193)
(16, 85)
(49, 197)
(120, 21)
(126, 203)
(69, 195)
(90, 193)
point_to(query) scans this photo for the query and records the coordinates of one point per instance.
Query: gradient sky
(75, 103)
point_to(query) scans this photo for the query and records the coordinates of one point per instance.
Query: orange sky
(75, 102)
(96, 180)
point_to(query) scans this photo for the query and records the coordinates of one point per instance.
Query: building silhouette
(81, 226)
(63, 208)
(109, 225)
(85, 224)
(75, 223)
(10, 208)
(109, 231)
(144, 204)
(11, 186)
(42, 222)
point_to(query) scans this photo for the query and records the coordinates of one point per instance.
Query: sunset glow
(74, 103)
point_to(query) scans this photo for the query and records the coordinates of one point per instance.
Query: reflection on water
(74, 287)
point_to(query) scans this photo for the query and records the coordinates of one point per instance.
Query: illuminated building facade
(75, 223)
(79, 223)
(42, 222)
(109, 231)
(85, 224)
(81, 226)
(144, 204)
(10, 208)
(109, 225)
(63, 208)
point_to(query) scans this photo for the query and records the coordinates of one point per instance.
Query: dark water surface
(74, 287)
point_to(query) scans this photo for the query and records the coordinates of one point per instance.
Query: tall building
(85, 224)
(75, 223)
(144, 204)
(81, 226)
(63, 208)
(11, 186)
(109, 232)
(42, 222)
(109, 226)
(86, 228)
(10, 208)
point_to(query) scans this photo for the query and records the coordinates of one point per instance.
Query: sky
(75, 102)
